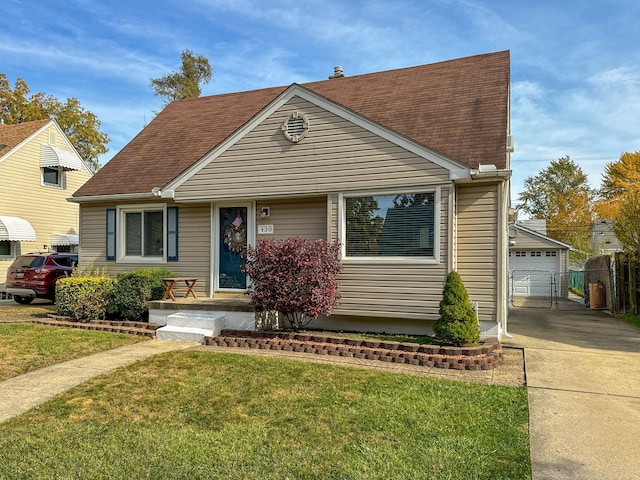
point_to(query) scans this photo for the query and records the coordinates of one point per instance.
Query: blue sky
(575, 66)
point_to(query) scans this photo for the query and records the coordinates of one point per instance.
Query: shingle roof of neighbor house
(12, 135)
(458, 108)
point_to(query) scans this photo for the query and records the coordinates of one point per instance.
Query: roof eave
(113, 197)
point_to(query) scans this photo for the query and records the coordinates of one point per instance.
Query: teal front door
(233, 231)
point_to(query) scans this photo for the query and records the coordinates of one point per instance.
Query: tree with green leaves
(194, 70)
(561, 195)
(627, 224)
(81, 126)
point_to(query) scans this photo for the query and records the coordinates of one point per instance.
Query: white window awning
(16, 229)
(58, 239)
(56, 157)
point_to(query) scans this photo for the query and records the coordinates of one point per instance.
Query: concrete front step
(208, 320)
(183, 334)
(191, 326)
(239, 313)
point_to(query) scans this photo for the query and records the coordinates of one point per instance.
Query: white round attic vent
(295, 127)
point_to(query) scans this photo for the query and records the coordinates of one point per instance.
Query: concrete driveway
(583, 382)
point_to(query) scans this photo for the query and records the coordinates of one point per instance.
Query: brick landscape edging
(132, 328)
(483, 357)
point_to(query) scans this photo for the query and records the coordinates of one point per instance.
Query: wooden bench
(174, 284)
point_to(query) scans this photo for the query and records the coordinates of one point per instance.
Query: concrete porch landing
(238, 311)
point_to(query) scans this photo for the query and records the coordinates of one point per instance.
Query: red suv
(34, 275)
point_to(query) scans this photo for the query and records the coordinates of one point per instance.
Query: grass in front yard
(205, 415)
(26, 346)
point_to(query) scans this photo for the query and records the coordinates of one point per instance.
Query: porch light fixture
(265, 212)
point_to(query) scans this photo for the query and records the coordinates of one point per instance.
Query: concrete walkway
(19, 394)
(583, 382)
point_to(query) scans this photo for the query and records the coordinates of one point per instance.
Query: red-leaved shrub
(295, 277)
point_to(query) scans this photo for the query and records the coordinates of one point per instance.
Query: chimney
(337, 73)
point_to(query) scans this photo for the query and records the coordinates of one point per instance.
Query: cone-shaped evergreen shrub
(457, 324)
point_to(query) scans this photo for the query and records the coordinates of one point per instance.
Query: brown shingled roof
(12, 135)
(458, 108)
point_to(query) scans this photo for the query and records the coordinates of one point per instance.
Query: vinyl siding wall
(304, 216)
(401, 290)
(194, 243)
(301, 184)
(525, 240)
(44, 207)
(477, 245)
(335, 156)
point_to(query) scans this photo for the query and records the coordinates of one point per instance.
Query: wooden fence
(626, 272)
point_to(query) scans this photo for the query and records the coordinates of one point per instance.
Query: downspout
(506, 203)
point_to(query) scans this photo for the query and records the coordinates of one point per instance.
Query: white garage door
(532, 272)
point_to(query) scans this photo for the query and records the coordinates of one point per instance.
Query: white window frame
(342, 228)
(62, 178)
(122, 210)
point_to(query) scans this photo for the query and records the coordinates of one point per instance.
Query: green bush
(134, 289)
(457, 324)
(84, 298)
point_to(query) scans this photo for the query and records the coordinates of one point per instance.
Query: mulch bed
(483, 357)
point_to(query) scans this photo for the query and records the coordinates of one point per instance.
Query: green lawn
(204, 415)
(26, 346)
(630, 319)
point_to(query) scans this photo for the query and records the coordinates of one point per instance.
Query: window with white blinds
(397, 225)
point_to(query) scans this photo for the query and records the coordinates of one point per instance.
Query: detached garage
(538, 264)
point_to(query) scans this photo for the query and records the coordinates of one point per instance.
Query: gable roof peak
(12, 135)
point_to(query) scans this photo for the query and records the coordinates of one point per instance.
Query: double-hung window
(394, 226)
(142, 233)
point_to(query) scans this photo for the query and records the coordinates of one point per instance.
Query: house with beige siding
(408, 169)
(39, 170)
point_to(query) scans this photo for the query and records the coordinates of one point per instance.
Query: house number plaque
(265, 229)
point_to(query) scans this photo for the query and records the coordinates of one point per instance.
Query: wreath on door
(235, 235)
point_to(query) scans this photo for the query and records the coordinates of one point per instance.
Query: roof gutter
(113, 198)
(489, 172)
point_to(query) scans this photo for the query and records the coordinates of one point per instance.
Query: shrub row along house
(407, 168)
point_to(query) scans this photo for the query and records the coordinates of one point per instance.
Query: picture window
(397, 225)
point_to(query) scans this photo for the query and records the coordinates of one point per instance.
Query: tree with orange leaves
(619, 178)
